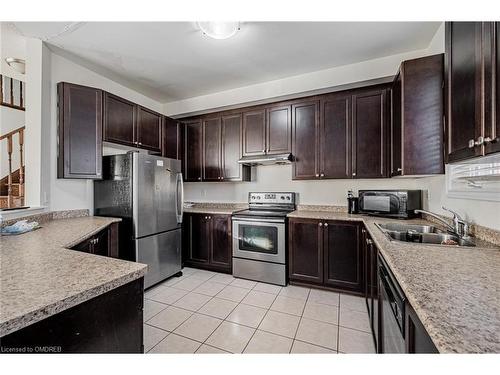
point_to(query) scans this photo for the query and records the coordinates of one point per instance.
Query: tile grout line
(256, 329)
(300, 320)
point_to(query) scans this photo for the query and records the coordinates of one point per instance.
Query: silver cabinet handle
(354, 173)
(320, 224)
(488, 140)
(322, 175)
(317, 174)
(479, 142)
(222, 177)
(326, 224)
(199, 178)
(471, 143)
(206, 217)
(210, 218)
(399, 169)
(264, 150)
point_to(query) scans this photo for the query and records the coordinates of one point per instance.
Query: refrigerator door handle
(179, 199)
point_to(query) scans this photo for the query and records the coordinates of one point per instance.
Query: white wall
(304, 84)
(65, 193)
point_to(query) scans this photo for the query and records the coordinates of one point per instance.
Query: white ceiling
(169, 61)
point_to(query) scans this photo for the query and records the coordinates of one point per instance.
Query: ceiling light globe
(219, 30)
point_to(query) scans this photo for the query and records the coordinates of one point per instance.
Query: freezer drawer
(162, 253)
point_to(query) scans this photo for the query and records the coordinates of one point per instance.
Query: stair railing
(9, 136)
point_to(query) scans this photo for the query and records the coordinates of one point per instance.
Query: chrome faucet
(459, 227)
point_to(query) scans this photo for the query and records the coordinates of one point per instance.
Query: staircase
(12, 185)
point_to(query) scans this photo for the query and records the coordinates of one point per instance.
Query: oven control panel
(287, 198)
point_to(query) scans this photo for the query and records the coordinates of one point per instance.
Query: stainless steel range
(260, 237)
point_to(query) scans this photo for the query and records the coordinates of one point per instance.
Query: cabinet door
(305, 250)
(221, 254)
(172, 138)
(119, 120)
(343, 257)
(101, 243)
(421, 104)
(148, 129)
(85, 246)
(369, 134)
(199, 239)
(254, 133)
(305, 124)
(335, 137)
(463, 60)
(193, 135)
(231, 149)
(278, 130)
(80, 132)
(212, 149)
(396, 140)
(417, 340)
(492, 126)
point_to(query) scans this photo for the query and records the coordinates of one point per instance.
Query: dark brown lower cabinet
(109, 323)
(306, 250)
(326, 253)
(343, 265)
(417, 339)
(104, 243)
(370, 254)
(207, 241)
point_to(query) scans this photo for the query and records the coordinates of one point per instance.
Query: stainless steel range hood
(266, 159)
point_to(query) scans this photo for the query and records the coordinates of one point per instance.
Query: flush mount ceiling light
(18, 65)
(219, 30)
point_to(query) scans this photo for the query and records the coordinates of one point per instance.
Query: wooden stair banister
(10, 149)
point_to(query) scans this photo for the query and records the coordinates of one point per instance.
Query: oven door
(259, 240)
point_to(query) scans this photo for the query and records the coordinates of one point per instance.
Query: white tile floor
(209, 312)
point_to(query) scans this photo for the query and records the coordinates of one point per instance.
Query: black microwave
(391, 203)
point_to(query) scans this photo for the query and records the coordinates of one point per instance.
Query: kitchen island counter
(40, 276)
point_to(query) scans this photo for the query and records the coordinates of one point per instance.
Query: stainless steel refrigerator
(146, 191)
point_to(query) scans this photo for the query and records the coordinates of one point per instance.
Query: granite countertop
(40, 276)
(454, 290)
(216, 208)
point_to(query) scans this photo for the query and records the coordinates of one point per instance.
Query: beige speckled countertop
(215, 208)
(455, 291)
(40, 276)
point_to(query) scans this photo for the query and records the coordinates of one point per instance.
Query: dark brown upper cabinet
(119, 120)
(193, 149)
(130, 124)
(369, 134)
(417, 144)
(231, 136)
(79, 131)
(278, 130)
(172, 138)
(470, 65)
(211, 149)
(221, 149)
(335, 136)
(305, 150)
(149, 126)
(327, 253)
(492, 133)
(254, 132)
(267, 131)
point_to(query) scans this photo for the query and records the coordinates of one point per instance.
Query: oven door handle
(241, 219)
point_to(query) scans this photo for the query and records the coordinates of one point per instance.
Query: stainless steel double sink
(425, 234)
